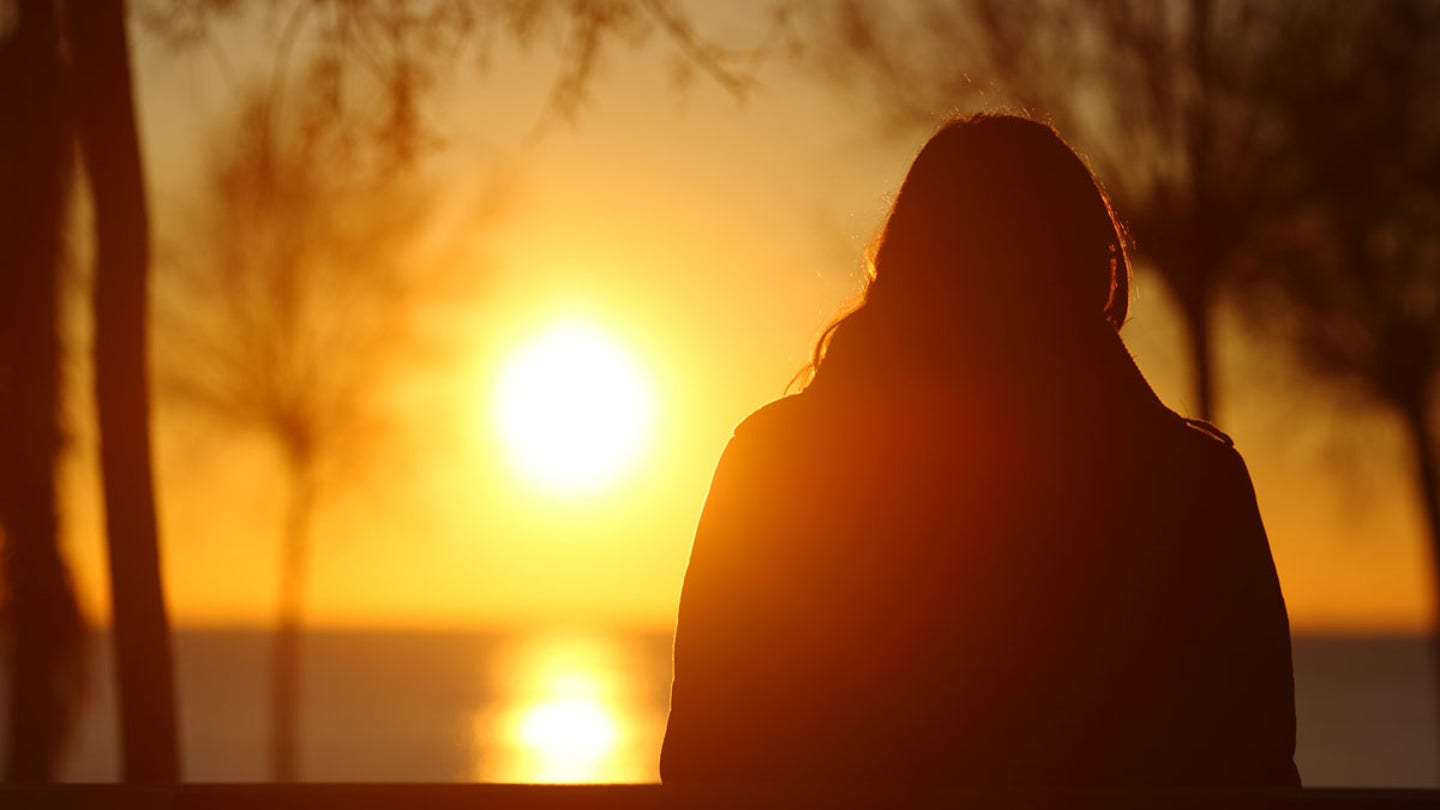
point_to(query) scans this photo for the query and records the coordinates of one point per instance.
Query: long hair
(999, 230)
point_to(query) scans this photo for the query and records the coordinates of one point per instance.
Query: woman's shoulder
(1209, 459)
(779, 417)
(795, 429)
(765, 441)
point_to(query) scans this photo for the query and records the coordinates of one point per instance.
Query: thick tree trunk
(285, 670)
(111, 152)
(45, 628)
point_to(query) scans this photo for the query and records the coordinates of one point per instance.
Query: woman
(977, 548)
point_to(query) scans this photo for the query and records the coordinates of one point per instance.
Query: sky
(709, 239)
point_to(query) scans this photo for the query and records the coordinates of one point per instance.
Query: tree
(1352, 279)
(89, 96)
(45, 628)
(110, 150)
(1159, 96)
(284, 319)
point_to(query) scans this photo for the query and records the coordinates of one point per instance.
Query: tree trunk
(45, 628)
(111, 152)
(1199, 336)
(1427, 479)
(285, 668)
(1203, 260)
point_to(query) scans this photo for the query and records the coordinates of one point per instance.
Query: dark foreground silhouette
(977, 548)
(708, 797)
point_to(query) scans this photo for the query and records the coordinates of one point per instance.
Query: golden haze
(712, 240)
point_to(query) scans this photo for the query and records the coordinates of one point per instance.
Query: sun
(573, 408)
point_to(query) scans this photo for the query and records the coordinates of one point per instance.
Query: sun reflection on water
(568, 740)
(567, 713)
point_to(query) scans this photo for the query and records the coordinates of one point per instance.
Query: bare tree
(1159, 96)
(283, 320)
(43, 622)
(1352, 279)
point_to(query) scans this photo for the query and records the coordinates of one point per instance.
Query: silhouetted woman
(977, 548)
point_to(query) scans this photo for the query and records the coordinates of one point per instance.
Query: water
(1366, 712)
(576, 707)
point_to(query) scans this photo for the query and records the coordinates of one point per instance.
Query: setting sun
(573, 408)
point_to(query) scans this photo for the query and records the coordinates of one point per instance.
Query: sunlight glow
(573, 408)
(569, 739)
(566, 716)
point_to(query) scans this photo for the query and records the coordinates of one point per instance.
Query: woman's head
(998, 227)
(999, 215)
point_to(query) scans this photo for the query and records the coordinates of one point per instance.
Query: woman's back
(954, 592)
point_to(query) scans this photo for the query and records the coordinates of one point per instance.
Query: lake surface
(580, 707)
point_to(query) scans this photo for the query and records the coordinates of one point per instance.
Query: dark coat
(1063, 583)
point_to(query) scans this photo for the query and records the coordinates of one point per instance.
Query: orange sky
(714, 239)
